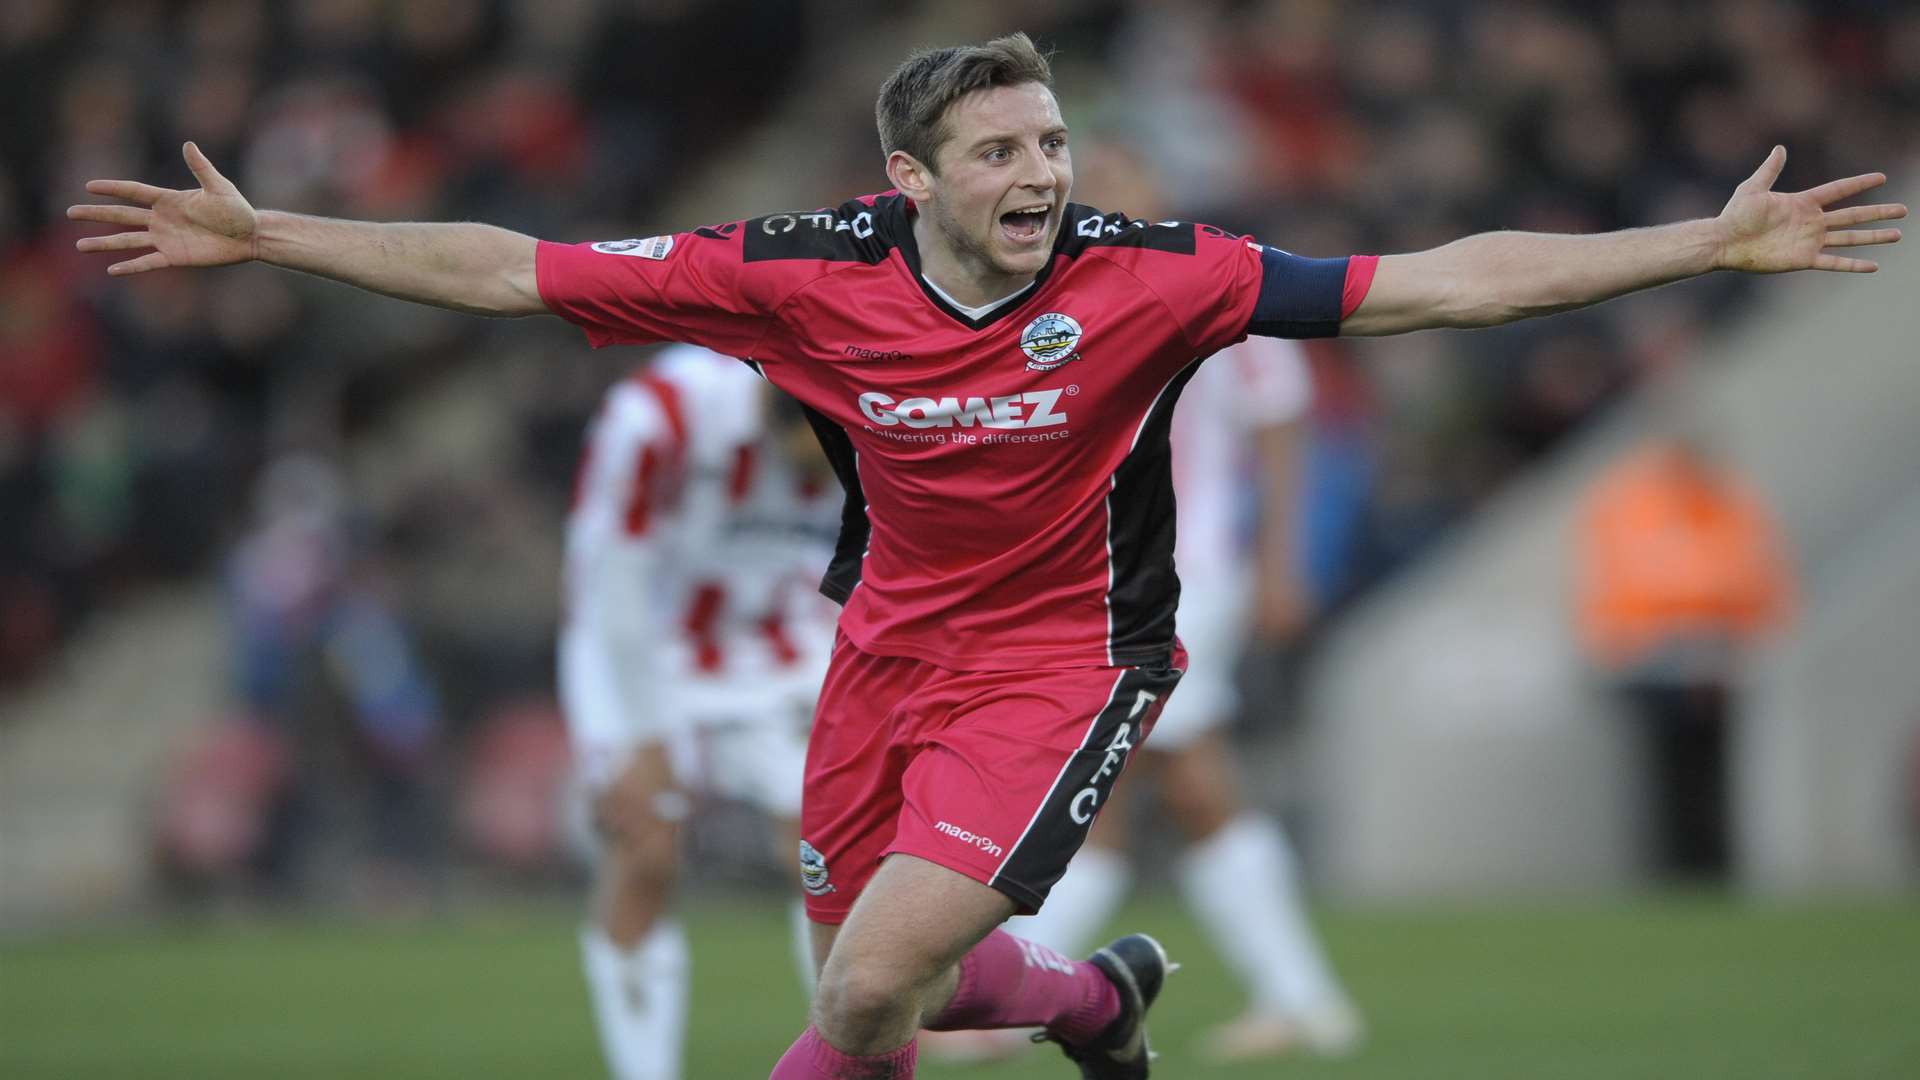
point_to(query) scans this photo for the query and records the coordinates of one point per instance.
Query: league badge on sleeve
(653, 247)
(1050, 340)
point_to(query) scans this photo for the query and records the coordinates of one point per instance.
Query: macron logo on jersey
(1033, 409)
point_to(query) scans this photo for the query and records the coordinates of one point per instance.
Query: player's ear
(909, 174)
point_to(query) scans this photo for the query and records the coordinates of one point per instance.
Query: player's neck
(968, 280)
(975, 311)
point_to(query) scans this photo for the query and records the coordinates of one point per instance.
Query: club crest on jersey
(1050, 341)
(653, 247)
(813, 871)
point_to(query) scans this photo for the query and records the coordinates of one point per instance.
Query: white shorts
(1212, 623)
(757, 761)
(604, 695)
(745, 742)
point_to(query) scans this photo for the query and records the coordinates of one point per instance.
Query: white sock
(1240, 885)
(802, 928)
(639, 1000)
(1080, 904)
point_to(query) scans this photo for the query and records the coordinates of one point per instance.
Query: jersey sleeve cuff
(1360, 269)
(550, 271)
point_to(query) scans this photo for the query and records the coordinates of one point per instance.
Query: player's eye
(999, 154)
(1055, 144)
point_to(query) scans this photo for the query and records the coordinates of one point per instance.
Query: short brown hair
(912, 110)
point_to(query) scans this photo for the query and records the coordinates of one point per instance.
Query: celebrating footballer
(992, 370)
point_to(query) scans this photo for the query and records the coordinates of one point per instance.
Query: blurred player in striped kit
(691, 656)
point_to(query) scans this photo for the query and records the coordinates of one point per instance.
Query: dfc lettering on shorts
(1087, 800)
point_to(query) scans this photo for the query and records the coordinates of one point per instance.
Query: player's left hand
(1772, 232)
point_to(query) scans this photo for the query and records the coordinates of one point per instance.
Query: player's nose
(1037, 171)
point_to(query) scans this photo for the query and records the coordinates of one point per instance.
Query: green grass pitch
(1679, 988)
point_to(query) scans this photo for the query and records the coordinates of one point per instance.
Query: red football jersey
(1009, 495)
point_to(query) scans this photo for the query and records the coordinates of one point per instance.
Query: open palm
(1772, 232)
(213, 226)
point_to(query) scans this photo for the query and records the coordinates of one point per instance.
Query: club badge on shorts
(813, 871)
(1049, 341)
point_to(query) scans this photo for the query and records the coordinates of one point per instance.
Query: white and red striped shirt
(1259, 383)
(693, 545)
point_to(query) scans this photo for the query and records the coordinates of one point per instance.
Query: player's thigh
(857, 754)
(821, 939)
(1005, 792)
(912, 923)
(638, 814)
(1200, 784)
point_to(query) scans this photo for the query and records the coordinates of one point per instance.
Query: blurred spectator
(123, 410)
(1681, 572)
(1323, 127)
(313, 627)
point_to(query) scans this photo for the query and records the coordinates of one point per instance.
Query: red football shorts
(994, 774)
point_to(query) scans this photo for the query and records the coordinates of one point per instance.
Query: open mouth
(1025, 225)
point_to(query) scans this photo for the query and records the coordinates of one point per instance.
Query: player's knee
(858, 996)
(647, 871)
(636, 812)
(641, 848)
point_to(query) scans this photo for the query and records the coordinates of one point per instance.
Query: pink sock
(1011, 982)
(810, 1058)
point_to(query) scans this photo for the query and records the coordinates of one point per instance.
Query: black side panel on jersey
(1086, 228)
(846, 234)
(1140, 534)
(843, 573)
(1039, 857)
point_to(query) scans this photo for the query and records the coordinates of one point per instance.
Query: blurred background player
(691, 655)
(339, 724)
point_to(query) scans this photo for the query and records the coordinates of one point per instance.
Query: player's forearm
(463, 266)
(1496, 278)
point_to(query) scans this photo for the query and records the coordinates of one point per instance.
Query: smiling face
(991, 211)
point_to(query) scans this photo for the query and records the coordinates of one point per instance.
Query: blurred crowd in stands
(140, 420)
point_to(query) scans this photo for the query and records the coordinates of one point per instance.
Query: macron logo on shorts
(965, 837)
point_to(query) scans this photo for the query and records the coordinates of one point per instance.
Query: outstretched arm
(1499, 277)
(463, 266)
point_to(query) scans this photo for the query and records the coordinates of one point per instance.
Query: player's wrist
(272, 233)
(1714, 238)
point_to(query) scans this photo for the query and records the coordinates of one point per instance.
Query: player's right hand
(213, 226)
